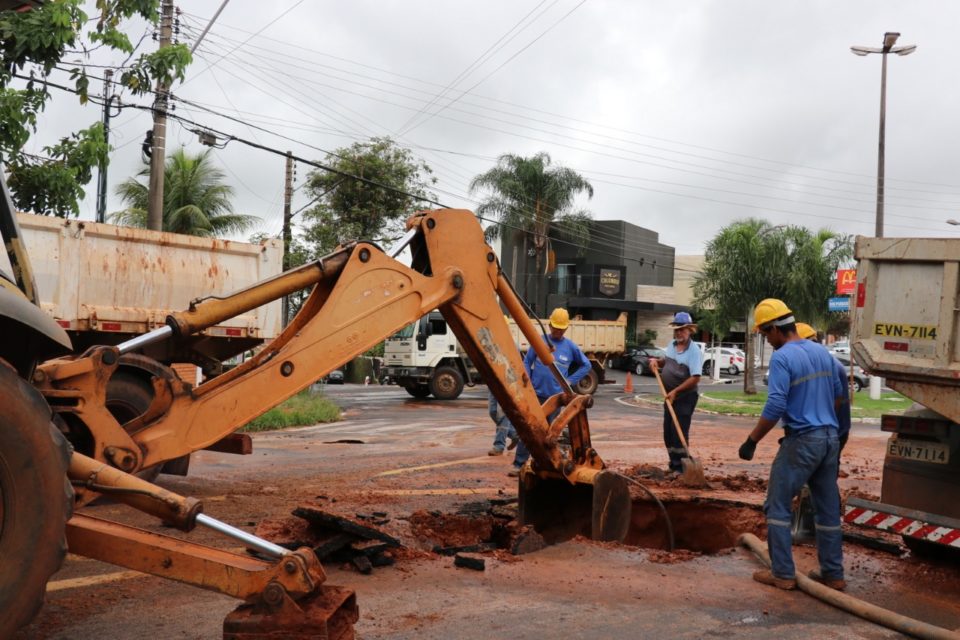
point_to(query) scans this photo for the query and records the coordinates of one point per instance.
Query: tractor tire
(446, 383)
(418, 391)
(128, 396)
(36, 500)
(588, 384)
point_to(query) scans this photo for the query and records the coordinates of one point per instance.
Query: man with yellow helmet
(566, 355)
(802, 391)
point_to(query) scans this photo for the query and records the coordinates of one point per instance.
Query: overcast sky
(684, 116)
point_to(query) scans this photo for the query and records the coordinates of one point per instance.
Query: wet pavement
(397, 455)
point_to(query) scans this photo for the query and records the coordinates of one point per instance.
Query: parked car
(861, 378)
(335, 377)
(638, 360)
(839, 347)
(731, 360)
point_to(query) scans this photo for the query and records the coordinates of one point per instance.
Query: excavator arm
(360, 296)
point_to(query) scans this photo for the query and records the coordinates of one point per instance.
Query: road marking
(393, 472)
(89, 581)
(438, 492)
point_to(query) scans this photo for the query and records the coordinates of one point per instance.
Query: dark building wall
(635, 252)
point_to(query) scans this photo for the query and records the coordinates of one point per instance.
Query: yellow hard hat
(559, 319)
(805, 331)
(769, 310)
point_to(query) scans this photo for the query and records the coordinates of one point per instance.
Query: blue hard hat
(681, 319)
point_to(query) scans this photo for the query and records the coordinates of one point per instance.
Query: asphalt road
(401, 455)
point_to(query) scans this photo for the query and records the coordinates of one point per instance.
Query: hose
(857, 607)
(666, 518)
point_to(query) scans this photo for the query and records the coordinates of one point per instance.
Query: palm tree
(750, 260)
(532, 197)
(195, 200)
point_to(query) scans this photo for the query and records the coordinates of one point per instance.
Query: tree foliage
(532, 198)
(349, 209)
(196, 201)
(32, 44)
(750, 260)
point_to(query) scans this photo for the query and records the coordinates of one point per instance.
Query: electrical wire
(528, 109)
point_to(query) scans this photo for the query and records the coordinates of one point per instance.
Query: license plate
(934, 452)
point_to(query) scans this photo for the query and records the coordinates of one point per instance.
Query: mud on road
(422, 467)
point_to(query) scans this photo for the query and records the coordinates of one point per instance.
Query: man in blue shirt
(681, 369)
(567, 356)
(803, 390)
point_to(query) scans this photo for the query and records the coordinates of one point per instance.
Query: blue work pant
(683, 406)
(505, 428)
(805, 457)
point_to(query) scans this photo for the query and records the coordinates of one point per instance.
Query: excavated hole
(702, 526)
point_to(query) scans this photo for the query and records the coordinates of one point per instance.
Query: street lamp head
(904, 50)
(890, 39)
(859, 51)
(955, 223)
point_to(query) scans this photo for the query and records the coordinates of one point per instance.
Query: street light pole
(889, 40)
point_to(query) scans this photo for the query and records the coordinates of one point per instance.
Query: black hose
(666, 518)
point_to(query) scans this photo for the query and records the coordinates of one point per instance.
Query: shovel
(692, 469)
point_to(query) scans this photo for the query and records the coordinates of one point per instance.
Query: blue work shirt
(691, 358)
(803, 386)
(566, 353)
(843, 412)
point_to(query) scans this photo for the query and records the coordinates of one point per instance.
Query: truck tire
(36, 500)
(446, 383)
(128, 396)
(418, 390)
(588, 384)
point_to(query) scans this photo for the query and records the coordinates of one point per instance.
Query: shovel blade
(560, 510)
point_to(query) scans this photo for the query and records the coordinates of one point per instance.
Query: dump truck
(905, 329)
(425, 358)
(105, 283)
(61, 445)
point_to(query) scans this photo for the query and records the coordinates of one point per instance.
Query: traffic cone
(628, 385)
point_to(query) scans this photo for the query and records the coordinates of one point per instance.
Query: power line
(528, 109)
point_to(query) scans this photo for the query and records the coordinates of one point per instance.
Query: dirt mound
(741, 482)
(451, 530)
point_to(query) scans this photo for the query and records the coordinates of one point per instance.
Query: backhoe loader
(75, 426)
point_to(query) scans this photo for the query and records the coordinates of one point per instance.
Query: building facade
(622, 268)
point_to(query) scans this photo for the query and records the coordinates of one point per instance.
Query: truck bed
(906, 317)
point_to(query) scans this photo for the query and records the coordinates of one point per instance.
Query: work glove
(747, 449)
(843, 441)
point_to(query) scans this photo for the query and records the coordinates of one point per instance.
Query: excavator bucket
(328, 614)
(560, 510)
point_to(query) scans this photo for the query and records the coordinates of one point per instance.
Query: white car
(839, 347)
(731, 360)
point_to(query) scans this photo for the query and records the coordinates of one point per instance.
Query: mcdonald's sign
(846, 281)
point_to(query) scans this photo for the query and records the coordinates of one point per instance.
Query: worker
(807, 332)
(505, 429)
(682, 366)
(569, 359)
(802, 390)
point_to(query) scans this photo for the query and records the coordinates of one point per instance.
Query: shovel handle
(673, 414)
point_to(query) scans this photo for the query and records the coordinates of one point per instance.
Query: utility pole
(157, 159)
(102, 172)
(287, 233)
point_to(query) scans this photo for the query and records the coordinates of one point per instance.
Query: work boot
(513, 444)
(514, 473)
(765, 576)
(838, 584)
(495, 452)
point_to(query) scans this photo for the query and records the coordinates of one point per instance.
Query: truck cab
(425, 359)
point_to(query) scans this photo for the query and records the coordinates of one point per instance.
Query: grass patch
(738, 403)
(302, 410)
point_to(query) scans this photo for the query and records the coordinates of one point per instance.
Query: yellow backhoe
(76, 426)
